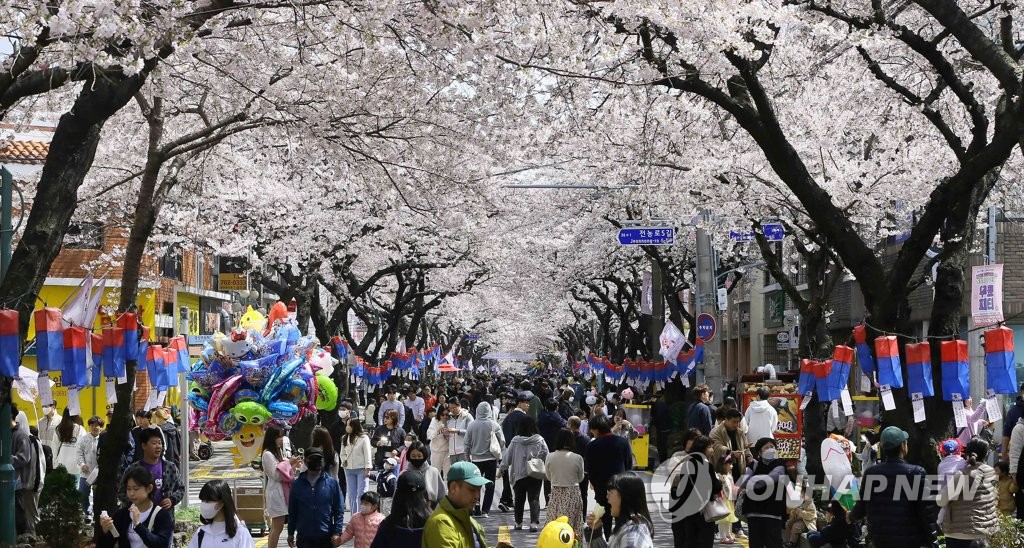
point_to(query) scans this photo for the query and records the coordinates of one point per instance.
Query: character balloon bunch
(263, 371)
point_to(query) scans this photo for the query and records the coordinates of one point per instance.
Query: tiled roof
(24, 152)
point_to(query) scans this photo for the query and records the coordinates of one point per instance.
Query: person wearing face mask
(403, 452)
(765, 511)
(567, 404)
(48, 424)
(221, 526)
(87, 454)
(387, 481)
(356, 459)
(316, 510)
(364, 523)
(418, 459)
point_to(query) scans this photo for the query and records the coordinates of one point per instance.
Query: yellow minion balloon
(557, 534)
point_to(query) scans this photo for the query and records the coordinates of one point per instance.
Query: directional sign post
(707, 328)
(647, 235)
(773, 232)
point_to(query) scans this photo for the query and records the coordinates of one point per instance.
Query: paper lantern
(96, 372)
(889, 371)
(860, 337)
(956, 370)
(10, 348)
(114, 352)
(179, 345)
(74, 372)
(129, 324)
(821, 372)
(839, 377)
(807, 379)
(1000, 366)
(158, 376)
(49, 339)
(919, 369)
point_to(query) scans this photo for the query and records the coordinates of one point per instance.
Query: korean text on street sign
(773, 232)
(649, 235)
(706, 327)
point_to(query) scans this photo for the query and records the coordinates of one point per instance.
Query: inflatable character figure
(252, 320)
(248, 444)
(557, 534)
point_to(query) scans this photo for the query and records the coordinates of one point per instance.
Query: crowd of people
(434, 453)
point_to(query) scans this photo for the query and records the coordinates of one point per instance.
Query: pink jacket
(363, 528)
(285, 469)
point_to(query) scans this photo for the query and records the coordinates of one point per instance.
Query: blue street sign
(707, 328)
(647, 235)
(773, 232)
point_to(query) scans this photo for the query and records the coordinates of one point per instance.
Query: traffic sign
(773, 232)
(707, 328)
(647, 235)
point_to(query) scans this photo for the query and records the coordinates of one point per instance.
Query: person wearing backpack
(140, 523)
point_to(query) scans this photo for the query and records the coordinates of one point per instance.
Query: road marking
(504, 534)
(261, 542)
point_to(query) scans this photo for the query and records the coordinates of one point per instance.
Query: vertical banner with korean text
(987, 294)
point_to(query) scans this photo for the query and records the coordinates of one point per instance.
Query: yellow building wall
(93, 400)
(192, 302)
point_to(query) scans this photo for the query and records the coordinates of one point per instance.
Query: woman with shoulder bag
(694, 530)
(528, 445)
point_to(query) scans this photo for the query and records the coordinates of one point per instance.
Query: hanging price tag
(111, 392)
(865, 383)
(887, 402)
(992, 407)
(959, 417)
(74, 406)
(806, 400)
(45, 390)
(847, 402)
(917, 399)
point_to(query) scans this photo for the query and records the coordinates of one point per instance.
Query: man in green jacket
(451, 526)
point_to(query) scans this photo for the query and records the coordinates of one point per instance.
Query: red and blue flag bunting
(1000, 366)
(129, 324)
(179, 345)
(919, 369)
(158, 376)
(839, 376)
(686, 362)
(49, 339)
(890, 371)
(806, 380)
(114, 350)
(860, 337)
(74, 372)
(821, 381)
(10, 346)
(956, 369)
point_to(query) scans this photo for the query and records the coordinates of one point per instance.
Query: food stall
(784, 397)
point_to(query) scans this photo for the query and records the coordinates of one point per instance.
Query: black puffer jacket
(765, 489)
(896, 521)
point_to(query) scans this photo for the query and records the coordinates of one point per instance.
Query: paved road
(498, 525)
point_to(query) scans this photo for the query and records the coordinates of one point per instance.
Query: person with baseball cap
(451, 524)
(316, 509)
(893, 496)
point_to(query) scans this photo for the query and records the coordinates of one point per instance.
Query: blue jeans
(84, 489)
(356, 485)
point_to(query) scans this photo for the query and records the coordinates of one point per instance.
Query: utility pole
(707, 287)
(7, 533)
(657, 311)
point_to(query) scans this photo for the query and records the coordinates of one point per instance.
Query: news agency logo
(680, 487)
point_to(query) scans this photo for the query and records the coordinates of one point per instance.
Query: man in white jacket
(762, 419)
(87, 459)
